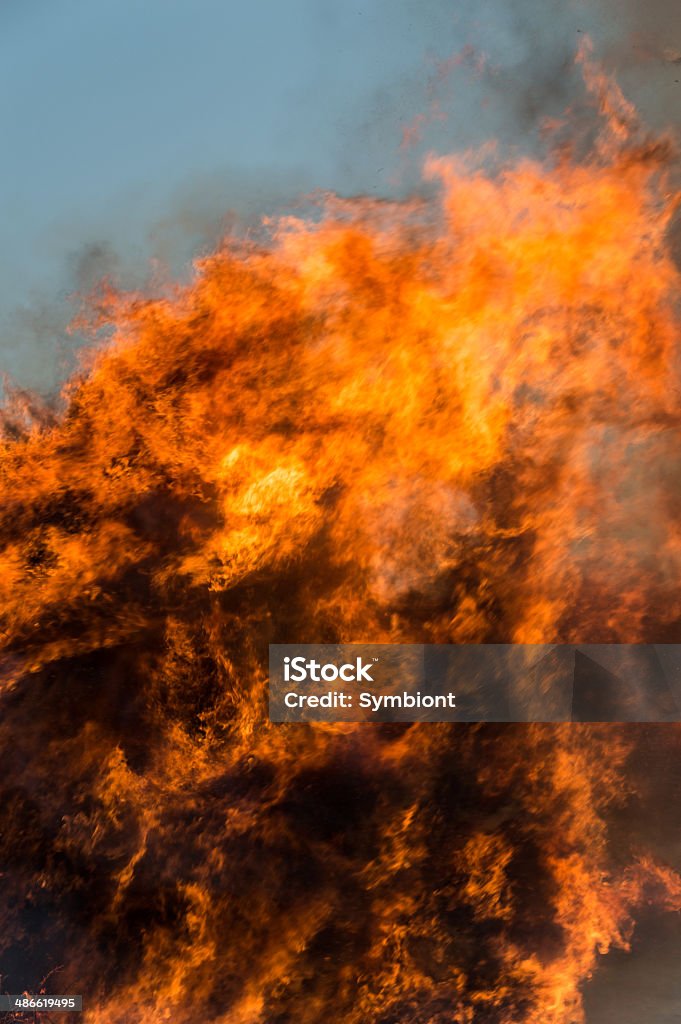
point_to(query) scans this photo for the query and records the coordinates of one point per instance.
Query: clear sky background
(131, 127)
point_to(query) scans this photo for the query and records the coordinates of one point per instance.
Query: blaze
(446, 419)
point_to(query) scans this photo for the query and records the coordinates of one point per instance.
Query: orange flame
(442, 420)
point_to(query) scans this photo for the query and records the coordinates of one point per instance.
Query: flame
(451, 419)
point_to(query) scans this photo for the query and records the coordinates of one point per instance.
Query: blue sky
(131, 127)
(124, 119)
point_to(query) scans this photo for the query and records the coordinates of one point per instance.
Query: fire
(452, 419)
